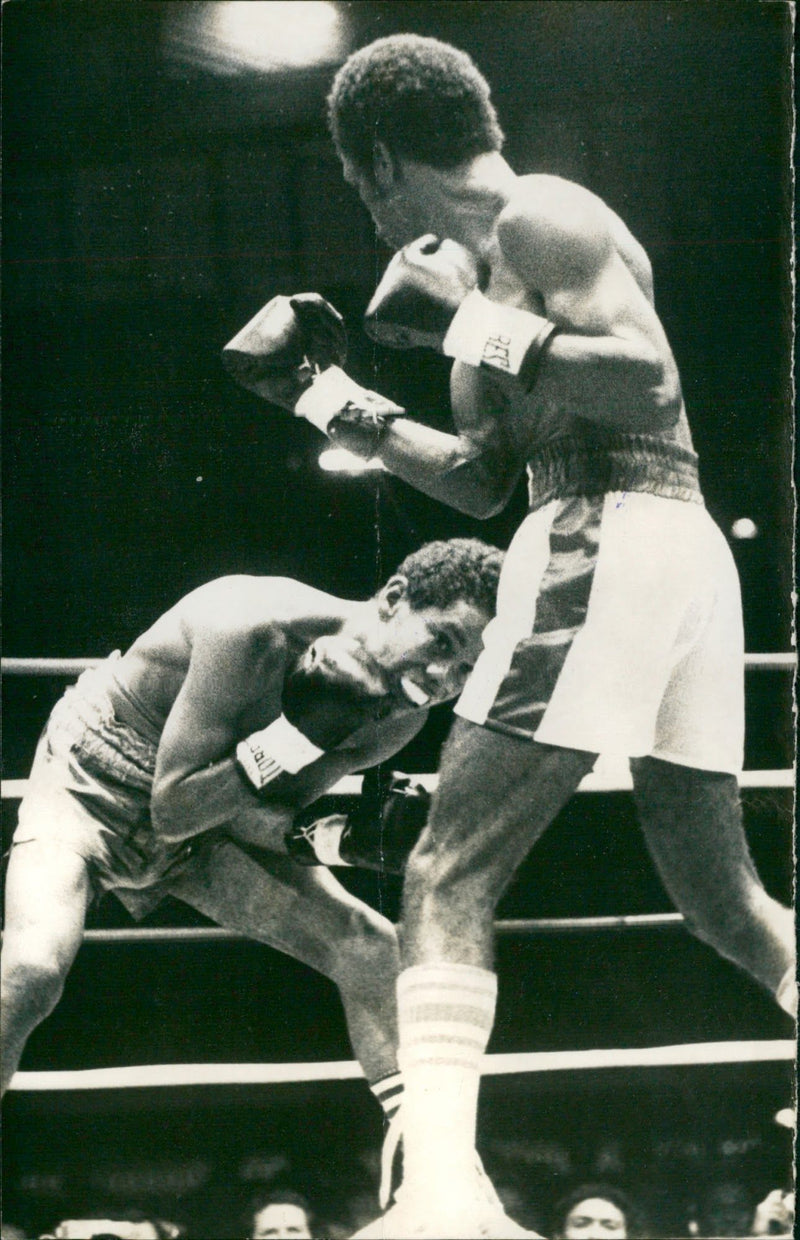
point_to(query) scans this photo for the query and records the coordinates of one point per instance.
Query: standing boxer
(180, 766)
(619, 618)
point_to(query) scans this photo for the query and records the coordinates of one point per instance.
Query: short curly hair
(424, 98)
(635, 1223)
(440, 573)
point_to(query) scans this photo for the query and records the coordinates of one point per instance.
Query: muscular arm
(365, 749)
(474, 472)
(610, 361)
(562, 254)
(473, 469)
(232, 679)
(197, 784)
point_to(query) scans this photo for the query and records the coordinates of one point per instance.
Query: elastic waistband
(101, 688)
(611, 461)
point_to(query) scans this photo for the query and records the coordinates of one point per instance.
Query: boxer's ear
(385, 167)
(392, 593)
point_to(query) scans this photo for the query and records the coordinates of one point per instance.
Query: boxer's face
(420, 656)
(392, 214)
(425, 653)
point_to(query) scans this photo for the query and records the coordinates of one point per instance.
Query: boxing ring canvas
(167, 171)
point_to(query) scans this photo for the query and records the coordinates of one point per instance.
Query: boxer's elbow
(171, 811)
(481, 486)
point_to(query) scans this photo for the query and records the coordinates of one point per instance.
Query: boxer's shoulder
(550, 228)
(249, 604)
(543, 197)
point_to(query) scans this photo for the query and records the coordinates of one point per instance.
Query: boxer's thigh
(497, 794)
(302, 911)
(612, 588)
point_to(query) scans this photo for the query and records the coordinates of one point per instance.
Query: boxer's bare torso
(260, 626)
(212, 670)
(561, 252)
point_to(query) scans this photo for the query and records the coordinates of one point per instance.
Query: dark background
(151, 204)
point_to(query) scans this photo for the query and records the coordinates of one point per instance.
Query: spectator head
(280, 1214)
(595, 1211)
(725, 1208)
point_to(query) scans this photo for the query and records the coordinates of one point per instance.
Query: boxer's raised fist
(329, 696)
(421, 290)
(429, 298)
(279, 352)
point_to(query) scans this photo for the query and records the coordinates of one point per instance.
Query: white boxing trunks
(618, 631)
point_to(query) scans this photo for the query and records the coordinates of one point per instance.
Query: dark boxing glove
(291, 354)
(280, 351)
(377, 834)
(325, 699)
(428, 298)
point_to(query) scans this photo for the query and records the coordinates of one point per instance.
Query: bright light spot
(340, 461)
(786, 1117)
(743, 527)
(274, 34)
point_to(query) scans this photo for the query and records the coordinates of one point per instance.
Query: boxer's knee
(32, 981)
(366, 950)
(736, 919)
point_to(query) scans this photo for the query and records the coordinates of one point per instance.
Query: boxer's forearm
(477, 480)
(263, 826)
(212, 797)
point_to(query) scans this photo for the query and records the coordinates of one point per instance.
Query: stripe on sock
(389, 1092)
(446, 1014)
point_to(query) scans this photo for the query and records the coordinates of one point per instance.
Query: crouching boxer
(180, 767)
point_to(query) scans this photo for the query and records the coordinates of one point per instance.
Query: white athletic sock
(445, 1014)
(786, 994)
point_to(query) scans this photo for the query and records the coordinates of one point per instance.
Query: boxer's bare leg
(47, 893)
(497, 795)
(692, 821)
(308, 914)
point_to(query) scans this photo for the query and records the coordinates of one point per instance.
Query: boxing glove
(428, 298)
(378, 834)
(330, 695)
(291, 354)
(280, 351)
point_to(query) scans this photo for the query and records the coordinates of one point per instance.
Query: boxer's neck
(461, 203)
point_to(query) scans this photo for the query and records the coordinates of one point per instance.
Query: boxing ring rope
(609, 775)
(512, 926)
(156, 1076)
(74, 667)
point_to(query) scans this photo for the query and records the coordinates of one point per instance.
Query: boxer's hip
(618, 631)
(90, 785)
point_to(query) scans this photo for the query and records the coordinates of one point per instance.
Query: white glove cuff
(485, 333)
(278, 748)
(325, 841)
(328, 395)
